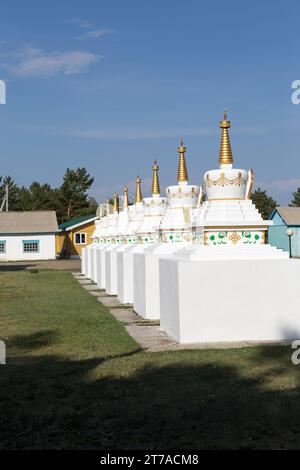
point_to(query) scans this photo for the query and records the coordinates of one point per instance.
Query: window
(80, 238)
(31, 246)
(2, 246)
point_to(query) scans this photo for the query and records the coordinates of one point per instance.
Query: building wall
(65, 241)
(14, 247)
(278, 237)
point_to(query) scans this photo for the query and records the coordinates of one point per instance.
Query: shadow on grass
(33, 341)
(52, 402)
(14, 267)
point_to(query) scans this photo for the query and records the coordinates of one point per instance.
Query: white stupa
(223, 288)
(131, 240)
(228, 221)
(229, 215)
(182, 200)
(175, 233)
(136, 215)
(155, 208)
(105, 241)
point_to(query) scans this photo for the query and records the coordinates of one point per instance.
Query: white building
(27, 235)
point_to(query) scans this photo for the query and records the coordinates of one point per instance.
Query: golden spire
(155, 180)
(125, 201)
(107, 207)
(116, 202)
(182, 175)
(225, 156)
(138, 192)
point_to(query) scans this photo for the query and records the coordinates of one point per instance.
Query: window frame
(4, 243)
(24, 242)
(80, 235)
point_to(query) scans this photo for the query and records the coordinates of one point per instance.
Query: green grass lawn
(74, 379)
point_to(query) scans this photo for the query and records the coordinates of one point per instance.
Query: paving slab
(85, 282)
(151, 338)
(97, 293)
(90, 287)
(124, 315)
(108, 301)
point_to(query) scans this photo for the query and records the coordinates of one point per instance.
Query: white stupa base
(125, 272)
(88, 261)
(94, 262)
(230, 252)
(230, 300)
(101, 260)
(124, 283)
(111, 270)
(146, 282)
(101, 266)
(82, 261)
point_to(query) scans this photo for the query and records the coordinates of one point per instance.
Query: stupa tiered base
(229, 300)
(233, 222)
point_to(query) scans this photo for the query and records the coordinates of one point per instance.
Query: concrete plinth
(88, 262)
(230, 300)
(124, 284)
(101, 262)
(100, 267)
(82, 263)
(94, 262)
(111, 270)
(125, 273)
(146, 282)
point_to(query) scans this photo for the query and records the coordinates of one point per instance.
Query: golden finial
(138, 192)
(116, 202)
(182, 175)
(155, 180)
(125, 201)
(107, 207)
(225, 156)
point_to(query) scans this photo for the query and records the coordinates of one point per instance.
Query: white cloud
(92, 32)
(95, 33)
(283, 186)
(130, 133)
(82, 23)
(104, 193)
(33, 62)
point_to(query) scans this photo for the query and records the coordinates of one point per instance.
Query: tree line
(266, 204)
(69, 200)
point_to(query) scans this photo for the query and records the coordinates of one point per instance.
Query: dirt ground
(61, 265)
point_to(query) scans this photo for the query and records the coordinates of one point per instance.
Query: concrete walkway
(147, 333)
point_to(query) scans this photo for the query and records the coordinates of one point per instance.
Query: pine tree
(296, 199)
(264, 204)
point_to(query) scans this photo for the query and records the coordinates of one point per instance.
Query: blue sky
(113, 84)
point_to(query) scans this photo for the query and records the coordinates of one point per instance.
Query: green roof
(75, 221)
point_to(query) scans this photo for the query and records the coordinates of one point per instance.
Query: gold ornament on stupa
(116, 203)
(107, 207)
(182, 175)
(125, 200)
(225, 156)
(155, 180)
(138, 192)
